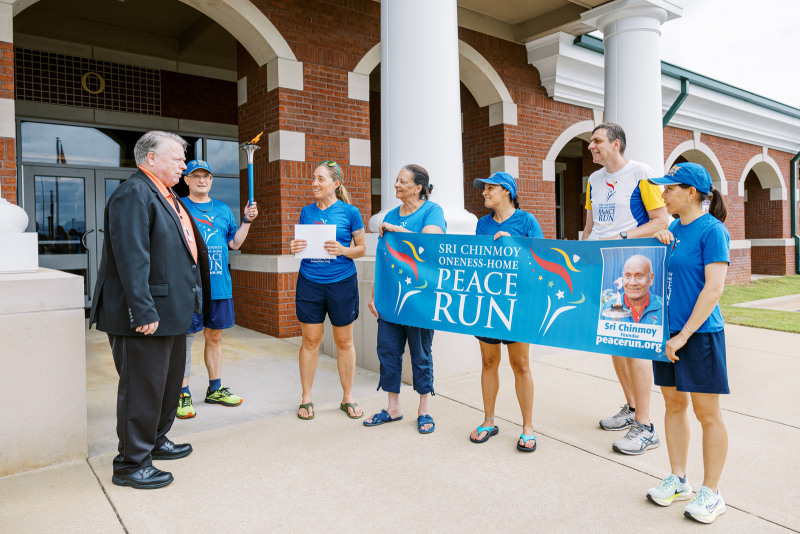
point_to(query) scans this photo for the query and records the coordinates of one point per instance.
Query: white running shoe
(706, 506)
(619, 421)
(669, 490)
(638, 439)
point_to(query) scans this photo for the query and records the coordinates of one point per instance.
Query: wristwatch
(623, 235)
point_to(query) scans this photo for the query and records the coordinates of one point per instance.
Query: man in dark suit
(153, 276)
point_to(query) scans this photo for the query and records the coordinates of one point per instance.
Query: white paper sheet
(315, 236)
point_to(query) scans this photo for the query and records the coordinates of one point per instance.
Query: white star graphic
(408, 280)
(560, 295)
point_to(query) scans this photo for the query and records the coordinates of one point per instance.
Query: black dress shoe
(171, 451)
(145, 478)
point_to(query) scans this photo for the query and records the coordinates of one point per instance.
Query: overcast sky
(751, 44)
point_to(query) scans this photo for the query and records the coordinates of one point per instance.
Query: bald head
(637, 277)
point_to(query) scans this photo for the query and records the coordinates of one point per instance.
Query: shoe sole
(189, 416)
(707, 519)
(488, 435)
(636, 453)
(615, 429)
(226, 404)
(173, 456)
(667, 502)
(120, 482)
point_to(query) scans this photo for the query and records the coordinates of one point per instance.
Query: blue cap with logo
(688, 173)
(197, 164)
(499, 178)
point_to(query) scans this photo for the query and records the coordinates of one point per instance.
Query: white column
(631, 35)
(421, 104)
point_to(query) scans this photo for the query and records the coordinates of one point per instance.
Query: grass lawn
(762, 289)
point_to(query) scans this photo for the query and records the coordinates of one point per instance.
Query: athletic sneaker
(638, 439)
(619, 421)
(706, 506)
(185, 408)
(671, 489)
(222, 396)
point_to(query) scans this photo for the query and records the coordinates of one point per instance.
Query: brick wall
(773, 260)
(265, 302)
(8, 151)
(480, 143)
(763, 218)
(739, 270)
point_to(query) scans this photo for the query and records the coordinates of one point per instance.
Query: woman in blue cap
(699, 258)
(506, 219)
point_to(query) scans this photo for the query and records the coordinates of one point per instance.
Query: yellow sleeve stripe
(588, 195)
(651, 195)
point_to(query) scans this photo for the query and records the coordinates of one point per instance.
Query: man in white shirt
(622, 204)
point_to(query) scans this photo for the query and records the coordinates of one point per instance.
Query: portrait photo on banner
(632, 294)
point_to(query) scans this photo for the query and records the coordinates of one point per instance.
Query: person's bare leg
(212, 353)
(715, 437)
(641, 379)
(622, 371)
(309, 355)
(424, 410)
(519, 358)
(490, 385)
(346, 362)
(676, 428)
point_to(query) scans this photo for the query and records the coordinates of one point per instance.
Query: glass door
(60, 203)
(106, 182)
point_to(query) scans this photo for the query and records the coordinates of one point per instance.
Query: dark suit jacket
(147, 272)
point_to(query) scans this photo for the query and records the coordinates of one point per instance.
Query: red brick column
(8, 152)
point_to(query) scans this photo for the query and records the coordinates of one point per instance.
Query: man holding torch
(218, 228)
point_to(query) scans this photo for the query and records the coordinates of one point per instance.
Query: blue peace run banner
(596, 296)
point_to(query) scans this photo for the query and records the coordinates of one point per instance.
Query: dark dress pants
(150, 372)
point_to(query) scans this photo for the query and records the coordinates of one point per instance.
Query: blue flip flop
(423, 420)
(380, 418)
(490, 431)
(525, 439)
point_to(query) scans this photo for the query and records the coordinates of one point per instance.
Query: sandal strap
(525, 438)
(485, 429)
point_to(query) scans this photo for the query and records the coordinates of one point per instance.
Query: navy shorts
(338, 299)
(702, 367)
(219, 317)
(492, 341)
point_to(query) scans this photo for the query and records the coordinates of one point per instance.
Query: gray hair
(613, 131)
(151, 142)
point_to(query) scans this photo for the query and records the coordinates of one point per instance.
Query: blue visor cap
(690, 174)
(197, 164)
(499, 178)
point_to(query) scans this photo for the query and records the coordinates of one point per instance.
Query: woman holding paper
(329, 285)
(506, 219)
(416, 214)
(697, 371)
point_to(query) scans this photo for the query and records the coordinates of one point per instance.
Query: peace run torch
(250, 147)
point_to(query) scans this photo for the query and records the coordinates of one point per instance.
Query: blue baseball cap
(197, 164)
(499, 178)
(691, 174)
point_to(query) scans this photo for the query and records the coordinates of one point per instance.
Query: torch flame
(256, 138)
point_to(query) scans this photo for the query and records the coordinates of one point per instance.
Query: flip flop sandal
(490, 430)
(306, 408)
(423, 420)
(380, 418)
(525, 439)
(352, 405)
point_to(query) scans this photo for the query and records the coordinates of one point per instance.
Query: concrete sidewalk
(258, 468)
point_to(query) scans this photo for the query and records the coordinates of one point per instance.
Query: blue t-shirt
(217, 226)
(697, 244)
(347, 219)
(521, 224)
(429, 214)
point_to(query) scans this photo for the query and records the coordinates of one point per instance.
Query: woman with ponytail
(329, 286)
(415, 214)
(697, 371)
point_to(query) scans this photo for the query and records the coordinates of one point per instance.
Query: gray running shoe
(706, 506)
(619, 421)
(638, 439)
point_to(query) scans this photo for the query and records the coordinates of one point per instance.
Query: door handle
(88, 265)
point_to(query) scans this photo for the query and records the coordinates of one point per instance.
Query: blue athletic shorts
(701, 368)
(338, 299)
(492, 341)
(219, 317)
